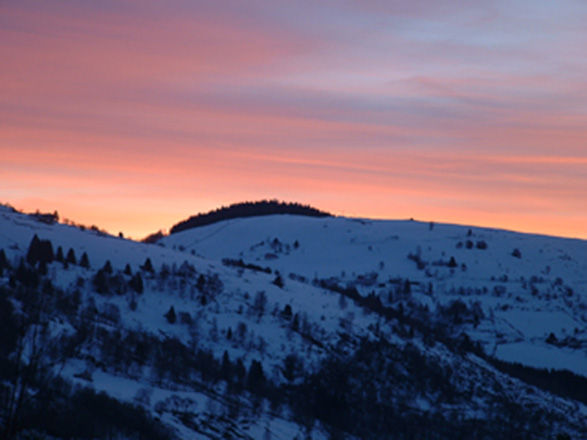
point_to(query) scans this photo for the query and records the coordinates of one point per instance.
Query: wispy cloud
(469, 112)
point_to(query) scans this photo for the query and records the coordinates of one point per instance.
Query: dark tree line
(247, 209)
(230, 262)
(41, 252)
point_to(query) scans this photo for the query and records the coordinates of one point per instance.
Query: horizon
(166, 231)
(134, 116)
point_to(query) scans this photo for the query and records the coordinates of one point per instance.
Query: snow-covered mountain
(287, 326)
(527, 286)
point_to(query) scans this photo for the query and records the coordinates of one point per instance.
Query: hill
(287, 326)
(247, 209)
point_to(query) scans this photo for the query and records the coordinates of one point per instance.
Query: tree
(4, 264)
(407, 287)
(256, 377)
(170, 315)
(100, 282)
(239, 373)
(201, 283)
(148, 266)
(39, 251)
(292, 366)
(46, 251)
(551, 339)
(59, 255)
(482, 245)
(287, 312)
(32, 255)
(29, 358)
(241, 331)
(295, 323)
(127, 270)
(9, 334)
(136, 283)
(71, 257)
(259, 303)
(278, 281)
(84, 261)
(107, 267)
(26, 275)
(226, 367)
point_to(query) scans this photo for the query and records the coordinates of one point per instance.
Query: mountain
(285, 326)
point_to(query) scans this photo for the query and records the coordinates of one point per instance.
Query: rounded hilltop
(247, 209)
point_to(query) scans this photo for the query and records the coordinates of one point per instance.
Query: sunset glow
(135, 115)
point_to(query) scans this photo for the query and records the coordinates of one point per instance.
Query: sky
(133, 115)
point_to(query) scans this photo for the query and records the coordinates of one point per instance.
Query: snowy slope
(240, 309)
(524, 299)
(17, 231)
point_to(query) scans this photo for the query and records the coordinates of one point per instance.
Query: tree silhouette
(70, 258)
(59, 255)
(84, 261)
(107, 267)
(247, 209)
(4, 264)
(170, 315)
(148, 266)
(136, 283)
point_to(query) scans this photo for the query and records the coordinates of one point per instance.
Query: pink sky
(134, 115)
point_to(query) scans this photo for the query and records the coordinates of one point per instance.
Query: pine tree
(100, 282)
(170, 315)
(39, 251)
(84, 261)
(239, 373)
(226, 367)
(107, 267)
(136, 283)
(4, 264)
(71, 257)
(148, 266)
(256, 377)
(407, 287)
(59, 255)
(32, 255)
(46, 251)
(287, 312)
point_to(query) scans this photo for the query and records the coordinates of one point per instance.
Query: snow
(523, 299)
(539, 324)
(505, 286)
(543, 356)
